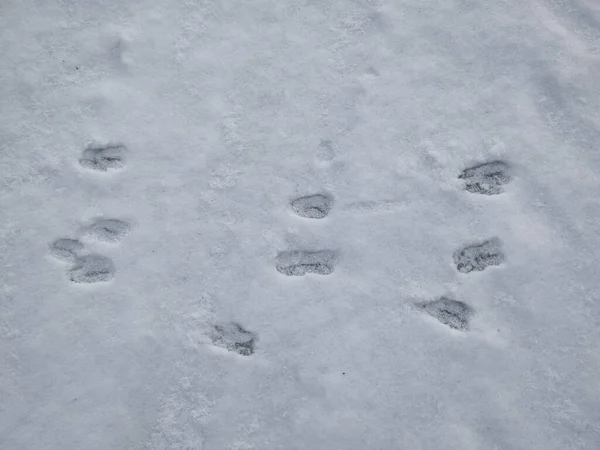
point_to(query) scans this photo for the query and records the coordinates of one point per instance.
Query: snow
(197, 124)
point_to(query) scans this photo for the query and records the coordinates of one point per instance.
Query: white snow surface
(228, 111)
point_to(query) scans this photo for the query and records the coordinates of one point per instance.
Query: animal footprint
(108, 230)
(479, 256)
(313, 206)
(325, 154)
(92, 269)
(299, 262)
(66, 249)
(453, 313)
(487, 178)
(234, 338)
(103, 159)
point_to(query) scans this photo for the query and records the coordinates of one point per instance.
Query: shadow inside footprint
(104, 158)
(66, 249)
(479, 256)
(313, 206)
(92, 269)
(107, 230)
(453, 313)
(487, 178)
(234, 338)
(299, 262)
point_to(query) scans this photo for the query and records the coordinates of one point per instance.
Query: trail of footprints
(486, 179)
(301, 262)
(87, 267)
(232, 336)
(90, 267)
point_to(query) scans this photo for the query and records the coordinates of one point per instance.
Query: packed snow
(276, 224)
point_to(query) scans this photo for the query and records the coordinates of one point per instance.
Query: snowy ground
(227, 111)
